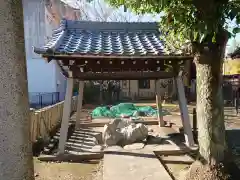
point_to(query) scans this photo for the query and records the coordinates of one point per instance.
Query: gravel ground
(67, 171)
(99, 172)
(93, 170)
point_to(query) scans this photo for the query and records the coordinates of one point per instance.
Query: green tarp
(125, 109)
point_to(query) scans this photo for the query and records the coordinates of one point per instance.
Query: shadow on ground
(233, 140)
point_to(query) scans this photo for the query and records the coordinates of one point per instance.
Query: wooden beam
(115, 69)
(71, 157)
(121, 75)
(79, 103)
(184, 112)
(119, 64)
(102, 124)
(100, 65)
(159, 105)
(66, 116)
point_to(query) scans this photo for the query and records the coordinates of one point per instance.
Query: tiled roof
(105, 38)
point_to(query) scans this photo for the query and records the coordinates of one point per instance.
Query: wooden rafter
(121, 75)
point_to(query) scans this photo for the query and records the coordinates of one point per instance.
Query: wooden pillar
(100, 93)
(161, 122)
(79, 101)
(184, 112)
(129, 88)
(66, 116)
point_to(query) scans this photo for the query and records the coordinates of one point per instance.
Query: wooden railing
(44, 120)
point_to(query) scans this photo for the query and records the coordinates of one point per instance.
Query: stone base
(134, 146)
(71, 157)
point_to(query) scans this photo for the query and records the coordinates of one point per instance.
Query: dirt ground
(92, 170)
(67, 171)
(232, 124)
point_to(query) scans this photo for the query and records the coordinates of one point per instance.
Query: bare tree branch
(98, 10)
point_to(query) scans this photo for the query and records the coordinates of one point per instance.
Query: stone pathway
(132, 164)
(134, 161)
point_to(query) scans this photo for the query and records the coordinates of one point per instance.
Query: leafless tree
(98, 10)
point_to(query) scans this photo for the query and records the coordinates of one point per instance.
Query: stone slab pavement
(132, 165)
(136, 162)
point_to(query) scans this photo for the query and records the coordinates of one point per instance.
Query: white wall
(41, 75)
(144, 93)
(61, 82)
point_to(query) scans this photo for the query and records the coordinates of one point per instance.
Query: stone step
(77, 145)
(89, 143)
(85, 133)
(80, 138)
(74, 149)
(180, 159)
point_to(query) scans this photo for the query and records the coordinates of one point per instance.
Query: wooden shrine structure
(112, 51)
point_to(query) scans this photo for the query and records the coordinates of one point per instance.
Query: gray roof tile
(105, 38)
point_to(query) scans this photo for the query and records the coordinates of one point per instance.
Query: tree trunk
(210, 110)
(210, 117)
(16, 162)
(214, 162)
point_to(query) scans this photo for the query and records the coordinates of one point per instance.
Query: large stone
(133, 133)
(134, 146)
(123, 132)
(97, 148)
(154, 139)
(110, 134)
(113, 148)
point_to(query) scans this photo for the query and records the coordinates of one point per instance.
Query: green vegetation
(200, 27)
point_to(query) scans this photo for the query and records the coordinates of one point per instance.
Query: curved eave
(43, 52)
(57, 56)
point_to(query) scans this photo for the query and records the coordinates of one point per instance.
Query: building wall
(132, 90)
(147, 92)
(40, 19)
(55, 11)
(41, 75)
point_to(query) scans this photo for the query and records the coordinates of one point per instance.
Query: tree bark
(210, 117)
(16, 160)
(210, 112)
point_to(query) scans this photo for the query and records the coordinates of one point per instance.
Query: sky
(98, 10)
